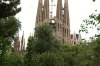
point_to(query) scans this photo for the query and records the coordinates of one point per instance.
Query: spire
(66, 12)
(66, 20)
(39, 11)
(46, 9)
(22, 42)
(59, 10)
(16, 44)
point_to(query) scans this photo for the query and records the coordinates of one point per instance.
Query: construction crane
(52, 5)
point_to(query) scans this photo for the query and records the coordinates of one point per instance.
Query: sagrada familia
(60, 23)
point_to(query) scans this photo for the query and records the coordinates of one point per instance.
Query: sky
(78, 11)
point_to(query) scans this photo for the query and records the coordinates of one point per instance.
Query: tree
(92, 23)
(13, 59)
(9, 27)
(30, 52)
(44, 41)
(9, 8)
(41, 51)
(97, 52)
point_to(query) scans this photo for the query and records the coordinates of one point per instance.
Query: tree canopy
(9, 26)
(9, 8)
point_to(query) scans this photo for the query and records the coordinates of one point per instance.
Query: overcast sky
(78, 10)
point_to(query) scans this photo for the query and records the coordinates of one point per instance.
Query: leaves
(9, 27)
(44, 41)
(92, 23)
(9, 9)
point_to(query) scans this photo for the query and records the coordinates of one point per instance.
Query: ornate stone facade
(60, 22)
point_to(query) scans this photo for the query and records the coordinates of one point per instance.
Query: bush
(47, 59)
(13, 60)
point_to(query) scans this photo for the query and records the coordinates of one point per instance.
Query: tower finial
(39, 11)
(66, 12)
(46, 9)
(59, 10)
(22, 41)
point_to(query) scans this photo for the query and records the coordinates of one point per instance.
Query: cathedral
(60, 22)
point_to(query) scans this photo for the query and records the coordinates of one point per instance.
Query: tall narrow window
(58, 26)
(74, 43)
(63, 29)
(67, 32)
(71, 36)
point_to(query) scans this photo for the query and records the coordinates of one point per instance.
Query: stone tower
(60, 22)
(22, 44)
(16, 44)
(19, 44)
(16, 47)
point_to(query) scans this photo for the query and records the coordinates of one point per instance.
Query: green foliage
(44, 32)
(45, 41)
(13, 59)
(79, 55)
(97, 48)
(9, 8)
(28, 61)
(50, 59)
(44, 50)
(92, 23)
(47, 59)
(97, 52)
(9, 27)
(84, 55)
(4, 46)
